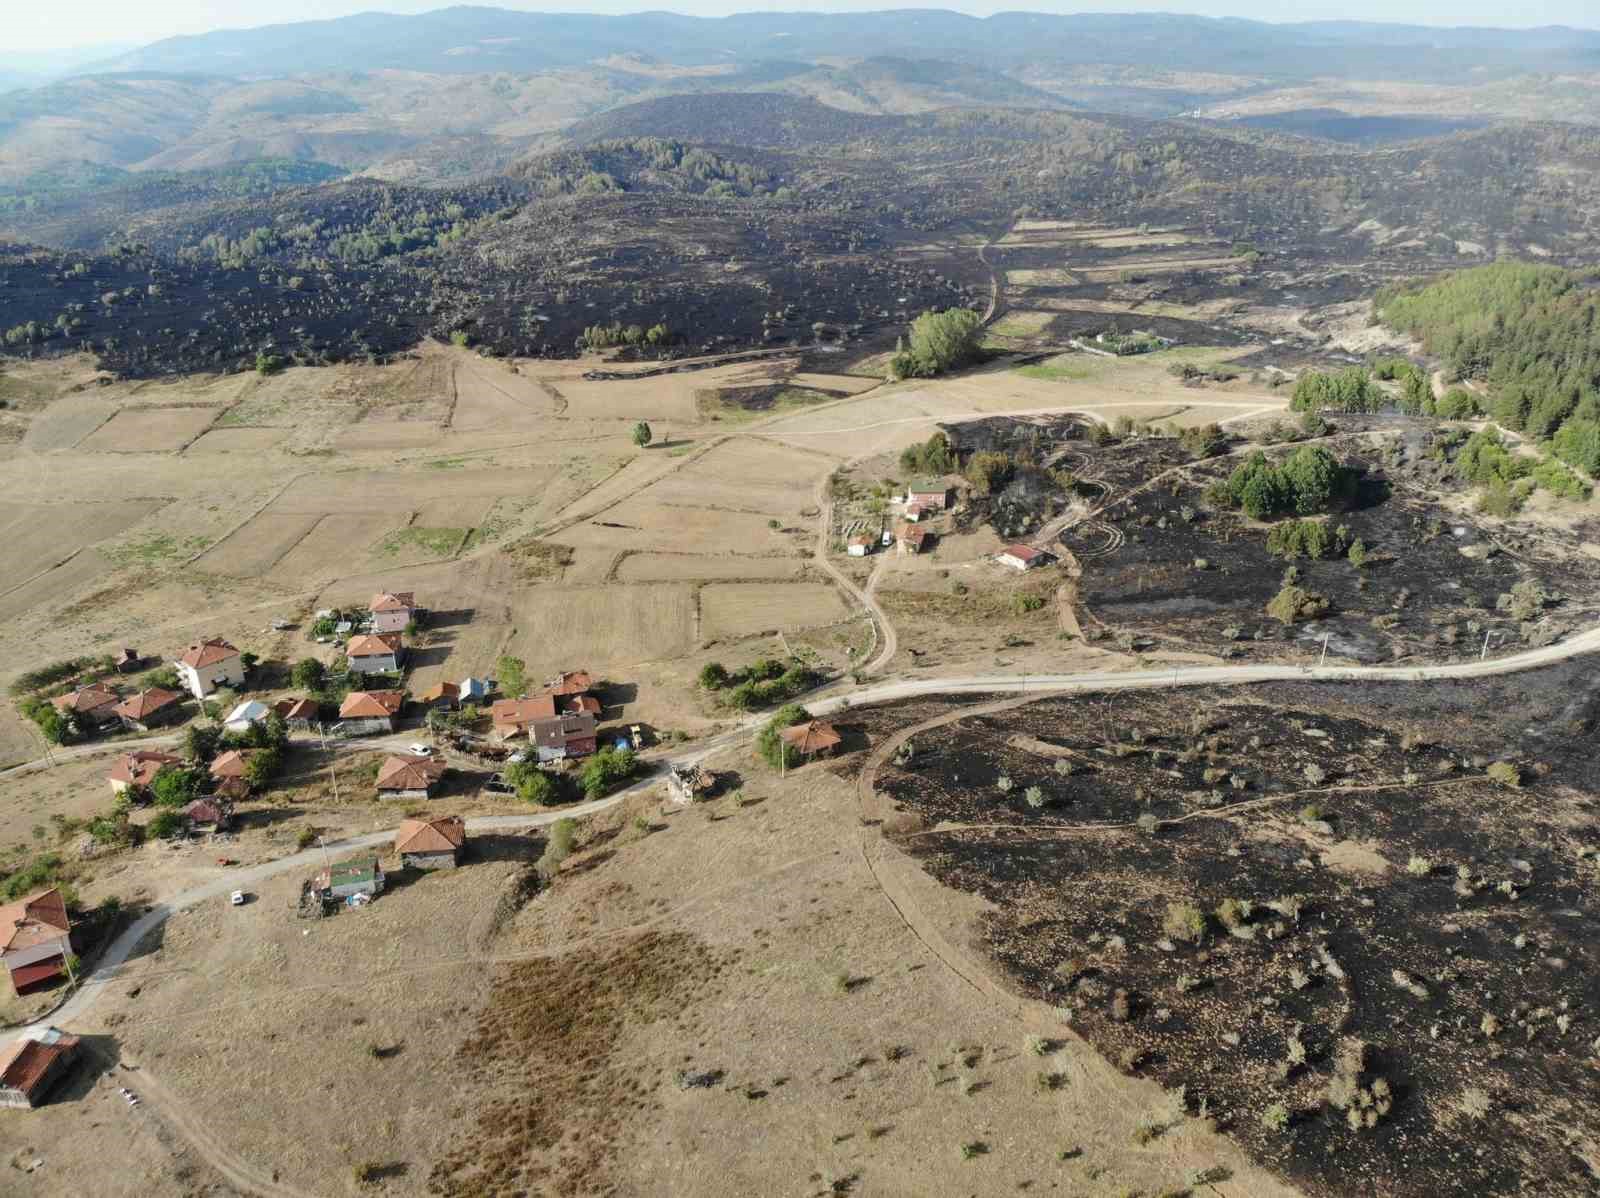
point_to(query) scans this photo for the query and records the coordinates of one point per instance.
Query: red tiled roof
(374, 644)
(231, 764)
(146, 703)
(518, 713)
(392, 601)
(1023, 553)
(231, 788)
(442, 835)
(811, 737)
(297, 709)
(409, 773)
(140, 767)
(207, 811)
(441, 690)
(574, 682)
(34, 919)
(88, 698)
(25, 1064)
(909, 532)
(208, 653)
(371, 705)
(584, 704)
(40, 971)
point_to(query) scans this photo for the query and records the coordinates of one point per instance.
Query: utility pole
(1324, 660)
(1487, 633)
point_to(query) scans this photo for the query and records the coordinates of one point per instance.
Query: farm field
(731, 610)
(150, 430)
(674, 567)
(608, 628)
(37, 536)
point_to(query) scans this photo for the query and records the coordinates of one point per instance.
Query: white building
(243, 717)
(209, 664)
(1021, 557)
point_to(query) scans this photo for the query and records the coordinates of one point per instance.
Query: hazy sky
(69, 23)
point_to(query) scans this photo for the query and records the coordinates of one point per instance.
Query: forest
(1530, 332)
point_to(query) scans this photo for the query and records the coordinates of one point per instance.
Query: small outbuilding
(860, 546)
(472, 690)
(35, 939)
(1022, 557)
(33, 1064)
(360, 875)
(431, 843)
(299, 713)
(246, 715)
(814, 738)
(213, 813)
(402, 776)
(233, 764)
(911, 538)
(441, 696)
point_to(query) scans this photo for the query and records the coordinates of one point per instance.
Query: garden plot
(844, 384)
(674, 567)
(665, 397)
(54, 585)
(252, 550)
(607, 627)
(732, 610)
(38, 536)
(490, 396)
(67, 421)
(150, 430)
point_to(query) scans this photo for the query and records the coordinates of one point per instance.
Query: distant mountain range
(472, 39)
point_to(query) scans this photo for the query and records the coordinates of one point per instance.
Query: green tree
(165, 824)
(53, 726)
(642, 435)
(201, 742)
(512, 677)
(531, 783)
(940, 341)
(770, 744)
(604, 771)
(268, 363)
(263, 764)
(713, 676)
(308, 673)
(1313, 476)
(174, 786)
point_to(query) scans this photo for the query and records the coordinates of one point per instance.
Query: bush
(988, 472)
(1294, 603)
(174, 786)
(713, 676)
(165, 824)
(933, 456)
(263, 764)
(1350, 390)
(1303, 538)
(604, 771)
(769, 741)
(1506, 774)
(201, 742)
(1203, 440)
(1184, 921)
(306, 838)
(53, 726)
(308, 673)
(563, 834)
(531, 783)
(511, 676)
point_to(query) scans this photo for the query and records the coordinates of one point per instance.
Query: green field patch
(435, 542)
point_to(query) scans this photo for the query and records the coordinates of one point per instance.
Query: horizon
(42, 41)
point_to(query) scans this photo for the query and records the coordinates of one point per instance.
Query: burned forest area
(1348, 920)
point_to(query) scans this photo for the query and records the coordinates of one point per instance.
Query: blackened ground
(1471, 970)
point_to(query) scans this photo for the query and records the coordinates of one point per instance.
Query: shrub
(174, 786)
(510, 675)
(1357, 553)
(1275, 1117)
(933, 456)
(563, 834)
(531, 783)
(1302, 538)
(308, 673)
(713, 676)
(1506, 774)
(306, 838)
(1184, 921)
(604, 771)
(165, 824)
(1035, 797)
(53, 726)
(1294, 603)
(988, 472)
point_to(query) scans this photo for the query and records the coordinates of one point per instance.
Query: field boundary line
(237, 528)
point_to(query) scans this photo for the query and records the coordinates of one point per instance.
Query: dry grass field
(678, 567)
(738, 609)
(609, 628)
(39, 535)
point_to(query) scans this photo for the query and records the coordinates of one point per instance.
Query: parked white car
(420, 750)
(237, 898)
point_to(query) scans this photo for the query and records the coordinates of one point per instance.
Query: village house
(35, 939)
(352, 876)
(814, 738)
(431, 843)
(441, 696)
(89, 708)
(860, 546)
(930, 495)
(563, 736)
(1021, 557)
(405, 777)
(32, 1065)
(298, 713)
(911, 538)
(246, 715)
(149, 709)
(137, 770)
(510, 718)
(381, 653)
(232, 765)
(392, 611)
(366, 713)
(472, 690)
(214, 813)
(209, 664)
